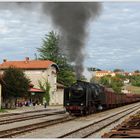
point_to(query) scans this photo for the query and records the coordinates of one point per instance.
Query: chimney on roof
(27, 58)
(4, 60)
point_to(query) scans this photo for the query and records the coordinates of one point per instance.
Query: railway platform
(30, 108)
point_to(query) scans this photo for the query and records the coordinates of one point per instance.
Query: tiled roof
(27, 64)
(104, 71)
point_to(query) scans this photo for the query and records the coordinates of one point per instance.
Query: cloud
(21, 32)
(3, 29)
(114, 37)
(112, 41)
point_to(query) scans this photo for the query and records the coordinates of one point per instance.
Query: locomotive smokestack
(71, 19)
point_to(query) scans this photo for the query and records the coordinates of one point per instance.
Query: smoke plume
(71, 19)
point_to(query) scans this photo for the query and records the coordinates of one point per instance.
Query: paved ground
(63, 128)
(29, 108)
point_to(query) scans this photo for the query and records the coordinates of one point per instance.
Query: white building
(102, 73)
(38, 70)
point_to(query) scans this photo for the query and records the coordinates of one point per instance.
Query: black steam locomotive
(84, 98)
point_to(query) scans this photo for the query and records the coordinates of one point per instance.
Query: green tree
(118, 70)
(45, 86)
(136, 71)
(93, 69)
(51, 51)
(121, 77)
(105, 80)
(115, 83)
(14, 84)
(135, 80)
(66, 76)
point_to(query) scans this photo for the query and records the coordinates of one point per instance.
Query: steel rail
(130, 128)
(75, 132)
(20, 118)
(27, 128)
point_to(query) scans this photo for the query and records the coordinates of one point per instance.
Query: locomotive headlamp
(82, 104)
(68, 104)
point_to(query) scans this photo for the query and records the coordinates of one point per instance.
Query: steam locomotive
(84, 98)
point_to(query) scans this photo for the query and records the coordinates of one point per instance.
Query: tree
(45, 86)
(136, 71)
(135, 80)
(93, 69)
(66, 77)
(50, 50)
(105, 80)
(115, 83)
(14, 83)
(118, 70)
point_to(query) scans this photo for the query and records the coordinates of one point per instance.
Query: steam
(71, 19)
(87, 74)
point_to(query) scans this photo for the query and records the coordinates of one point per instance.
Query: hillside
(133, 89)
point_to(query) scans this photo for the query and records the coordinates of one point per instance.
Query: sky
(113, 38)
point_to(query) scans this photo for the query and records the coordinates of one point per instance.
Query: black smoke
(71, 19)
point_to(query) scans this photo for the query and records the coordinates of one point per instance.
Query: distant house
(125, 91)
(102, 73)
(37, 70)
(126, 81)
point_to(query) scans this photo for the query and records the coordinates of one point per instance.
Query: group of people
(26, 103)
(29, 103)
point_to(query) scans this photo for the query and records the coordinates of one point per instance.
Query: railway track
(19, 117)
(97, 126)
(130, 128)
(8, 133)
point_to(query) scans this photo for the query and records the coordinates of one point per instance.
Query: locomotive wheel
(86, 112)
(93, 109)
(82, 113)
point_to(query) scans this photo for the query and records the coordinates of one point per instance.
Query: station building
(39, 70)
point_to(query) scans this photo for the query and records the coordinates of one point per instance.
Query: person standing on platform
(45, 104)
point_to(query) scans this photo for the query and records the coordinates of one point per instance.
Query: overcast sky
(113, 41)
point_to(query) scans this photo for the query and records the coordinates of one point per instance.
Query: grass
(2, 110)
(133, 89)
